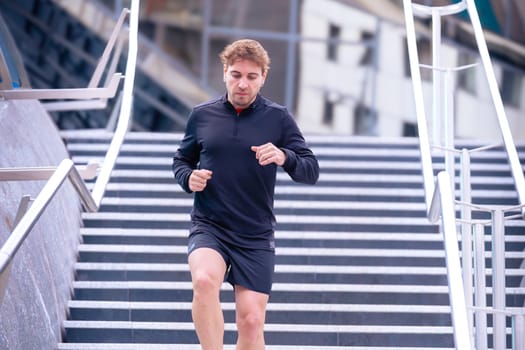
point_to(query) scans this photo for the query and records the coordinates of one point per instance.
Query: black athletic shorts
(250, 268)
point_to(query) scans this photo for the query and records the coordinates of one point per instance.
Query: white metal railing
(66, 170)
(460, 284)
(442, 205)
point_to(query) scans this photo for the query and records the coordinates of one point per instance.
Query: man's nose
(242, 83)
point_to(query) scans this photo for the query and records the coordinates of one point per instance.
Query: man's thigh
(250, 302)
(206, 259)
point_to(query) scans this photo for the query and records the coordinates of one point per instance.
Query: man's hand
(269, 153)
(198, 179)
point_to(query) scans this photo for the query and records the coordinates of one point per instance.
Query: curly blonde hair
(246, 49)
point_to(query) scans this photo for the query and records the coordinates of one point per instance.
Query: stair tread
(138, 346)
(167, 174)
(312, 190)
(325, 307)
(327, 219)
(319, 287)
(279, 234)
(269, 327)
(289, 234)
(281, 268)
(435, 253)
(324, 164)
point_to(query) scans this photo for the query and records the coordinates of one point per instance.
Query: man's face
(244, 80)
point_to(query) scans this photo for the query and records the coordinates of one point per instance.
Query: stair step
(293, 207)
(307, 334)
(277, 287)
(371, 180)
(282, 219)
(280, 251)
(294, 313)
(394, 167)
(335, 192)
(284, 238)
(286, 222)
(136, 346)
(343, 274)
(289, 235)
(281, 268)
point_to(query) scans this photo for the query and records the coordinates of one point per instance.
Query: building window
(409, 129)
(511, 85)
(333, 43)
(466, 77)
(367, 40)
(365, 120)
(328, 111)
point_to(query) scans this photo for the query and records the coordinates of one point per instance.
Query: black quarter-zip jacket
(237, 203)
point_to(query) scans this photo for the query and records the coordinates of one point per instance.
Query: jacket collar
(254, 104)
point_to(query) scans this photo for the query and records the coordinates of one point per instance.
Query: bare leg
(250, 315)
(207, 269)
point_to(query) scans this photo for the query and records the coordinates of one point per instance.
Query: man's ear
(225, 69)
(264, 74)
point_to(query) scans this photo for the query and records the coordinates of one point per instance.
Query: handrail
(125, 108)
(426, 158)
(424, 142)
(442, 205)
(512, 154)
(434, 192)
(66, 170)
(90, 200)
(87, 172)
(92, 91)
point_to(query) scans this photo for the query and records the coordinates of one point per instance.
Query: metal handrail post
(498, 277)
(438, 130)
(518, 332)
(65, 170)
(22, 208)
(466, 230)
(4, 278)
(115, 35)
(448, 125)
(462, 333)
(27, 222)
(480, 297)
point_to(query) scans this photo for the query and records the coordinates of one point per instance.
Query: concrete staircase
(358, 264)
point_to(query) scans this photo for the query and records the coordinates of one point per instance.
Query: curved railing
(439, 195)
(67, 170)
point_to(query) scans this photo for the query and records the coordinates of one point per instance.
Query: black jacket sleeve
(301, 163)
(186, 158)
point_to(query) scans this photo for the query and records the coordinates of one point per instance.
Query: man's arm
(300, 162)
(187, 156)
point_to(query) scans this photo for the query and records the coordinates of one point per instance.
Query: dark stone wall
(41, 275)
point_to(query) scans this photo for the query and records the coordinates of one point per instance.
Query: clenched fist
(198, 179)
(269, 153)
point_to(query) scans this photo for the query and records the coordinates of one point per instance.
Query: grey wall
(39, 286)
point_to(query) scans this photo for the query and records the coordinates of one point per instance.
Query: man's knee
(250, 325)
(204, 284)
